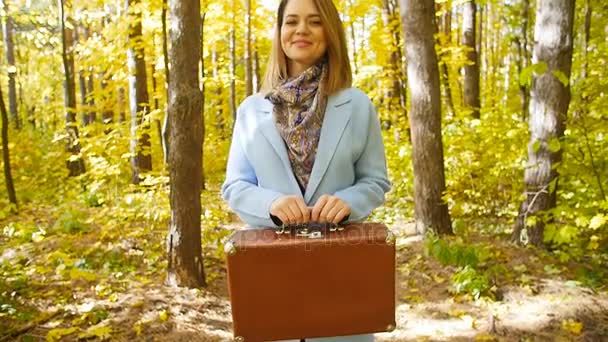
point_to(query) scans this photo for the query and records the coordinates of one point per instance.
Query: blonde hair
(339, 72)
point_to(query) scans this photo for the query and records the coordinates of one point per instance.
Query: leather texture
(290, 287)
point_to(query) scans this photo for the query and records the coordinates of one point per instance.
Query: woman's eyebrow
(297, 16)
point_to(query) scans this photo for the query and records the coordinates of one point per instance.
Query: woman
(309, 147)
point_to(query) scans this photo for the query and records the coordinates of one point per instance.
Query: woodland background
(85, 246)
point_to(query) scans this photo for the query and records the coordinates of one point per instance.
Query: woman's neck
(296, 69)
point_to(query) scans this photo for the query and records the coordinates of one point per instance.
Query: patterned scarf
(299, 109)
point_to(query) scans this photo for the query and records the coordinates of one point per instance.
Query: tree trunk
(157, 123)
(471, 69)
(417, 17)
(353, 40)
(393, 93)
(90, 85)
(166, 128)
(446, 29)
(75, 163)
(83, 88)
(83, 98)
(548, 108)
(524, 57)
(6, 158)
(256, 66)
(141, 158)
(203, 187)
(122, 104)
(185, 260)
(9, 47)
(248, 62)
(219, 116)
(233, 68)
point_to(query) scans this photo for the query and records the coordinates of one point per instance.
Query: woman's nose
(302, 28)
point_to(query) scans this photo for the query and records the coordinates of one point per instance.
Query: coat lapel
(336, 118)
(270, 132)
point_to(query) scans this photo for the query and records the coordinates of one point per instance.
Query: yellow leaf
(56, 334)
(456, 313)
(163, 315)
(572, 326)
(593, 244)
(485, 337)
(597, 221)
(138, 304)
(102, 332)
(137, 328)
(438, 279)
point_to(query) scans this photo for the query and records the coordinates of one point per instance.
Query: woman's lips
(302, 44)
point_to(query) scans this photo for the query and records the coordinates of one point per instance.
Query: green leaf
(531, 221)
(536, 146)
(540, 68)
(554, 145)
(565, 234)
(561, 77)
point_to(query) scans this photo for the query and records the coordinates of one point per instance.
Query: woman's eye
(316, 23)
(291, 22)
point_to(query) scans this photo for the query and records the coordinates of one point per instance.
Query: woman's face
(302, 35)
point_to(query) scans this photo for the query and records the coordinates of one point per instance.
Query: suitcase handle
(313, 230)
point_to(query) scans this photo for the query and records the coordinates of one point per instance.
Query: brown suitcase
(311, 282)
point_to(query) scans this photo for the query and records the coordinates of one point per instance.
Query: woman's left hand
(329, 209)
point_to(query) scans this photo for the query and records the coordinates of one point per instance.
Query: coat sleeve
(371, 180)
(240, 189)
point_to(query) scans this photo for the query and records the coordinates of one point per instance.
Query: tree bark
(394, 92)
(353, 40)
(233, 67)
(548, 108)
(248, 54)
(9, 48)
(75, 163)
(83, 88)
(141, 157)
(203, 187)
(471, 69)
(524, 57)
(90, 85)
(256, 66)
(417, 17)
(166, 128)
(157, 123)
(6, 158)
(219, 116)
(185, 266)
(446, 29)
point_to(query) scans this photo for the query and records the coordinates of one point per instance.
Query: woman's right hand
(290, 209)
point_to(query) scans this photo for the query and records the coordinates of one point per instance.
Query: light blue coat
(350, 161)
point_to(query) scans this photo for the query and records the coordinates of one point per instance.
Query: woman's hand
(329, 209)
(290, 209)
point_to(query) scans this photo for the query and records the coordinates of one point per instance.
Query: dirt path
(544, 308)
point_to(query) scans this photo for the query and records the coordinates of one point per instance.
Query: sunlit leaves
(525, 78)
(58, 333)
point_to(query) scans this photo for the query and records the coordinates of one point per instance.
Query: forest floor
(536, 297)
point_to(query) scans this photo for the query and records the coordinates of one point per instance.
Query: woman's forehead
(304, 8)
